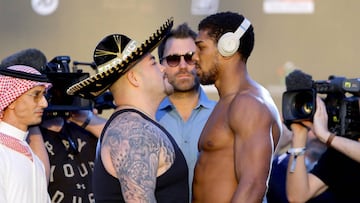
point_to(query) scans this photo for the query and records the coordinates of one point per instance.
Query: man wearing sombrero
(22, 174)
(137, 159)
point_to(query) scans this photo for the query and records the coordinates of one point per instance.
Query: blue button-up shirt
(186, 133)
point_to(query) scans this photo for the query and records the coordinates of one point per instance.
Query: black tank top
(171, 187)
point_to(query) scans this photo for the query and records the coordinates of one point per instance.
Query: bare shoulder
(136, 146)
(130, 131)
(258, 98)
(248, 101)
(253, 106)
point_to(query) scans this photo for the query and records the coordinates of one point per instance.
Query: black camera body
(59, 74)
(341, 101)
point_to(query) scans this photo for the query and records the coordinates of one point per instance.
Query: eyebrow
(37, 91)
(198, 42)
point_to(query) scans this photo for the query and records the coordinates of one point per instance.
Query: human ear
(133, 78)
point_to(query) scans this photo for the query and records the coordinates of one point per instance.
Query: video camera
(341, 101)
(59, 102)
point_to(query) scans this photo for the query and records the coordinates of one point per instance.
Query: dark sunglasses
(174, 59)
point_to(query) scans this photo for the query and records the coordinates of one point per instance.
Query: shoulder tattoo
(136, 147)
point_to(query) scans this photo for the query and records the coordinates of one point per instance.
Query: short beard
(195, 86)
(209, 78)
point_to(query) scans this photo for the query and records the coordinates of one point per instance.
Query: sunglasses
(38, 95)
(174, 59)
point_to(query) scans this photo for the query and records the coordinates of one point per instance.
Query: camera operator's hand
(88, 120)
(81, 118)
(299, 134)
(320, 121)
(349, 147)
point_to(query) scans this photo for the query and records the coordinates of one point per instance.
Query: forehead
(203, 38)
(37, 88)
(180, 45)
(145, 59)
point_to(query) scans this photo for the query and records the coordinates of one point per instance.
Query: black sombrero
(113, 56)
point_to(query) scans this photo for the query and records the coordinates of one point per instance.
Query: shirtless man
(239, 138)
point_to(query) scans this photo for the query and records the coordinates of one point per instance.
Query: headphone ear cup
(228, 44)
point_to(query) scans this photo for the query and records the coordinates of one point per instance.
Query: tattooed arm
(134, 145)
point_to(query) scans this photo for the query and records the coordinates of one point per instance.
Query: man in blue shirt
(185, 112)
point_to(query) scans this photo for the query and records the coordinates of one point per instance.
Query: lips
(40, 112)
(183, 75)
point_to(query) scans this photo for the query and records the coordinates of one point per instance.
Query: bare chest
(216, 134)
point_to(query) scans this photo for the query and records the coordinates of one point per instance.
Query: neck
(12, 120)
(144, 110)
(187, 99)
(233, 80)
(185, 102)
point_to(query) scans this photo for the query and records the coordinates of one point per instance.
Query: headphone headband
(242, 28)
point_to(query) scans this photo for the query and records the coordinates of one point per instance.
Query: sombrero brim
(97, 84)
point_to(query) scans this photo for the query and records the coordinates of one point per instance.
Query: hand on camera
(300, 132)
(81, 117)
(320, 121)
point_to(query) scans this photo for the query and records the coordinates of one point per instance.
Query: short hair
(181, 32)
(223, 22)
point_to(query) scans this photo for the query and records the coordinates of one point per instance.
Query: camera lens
(298, 105)
(303, 105)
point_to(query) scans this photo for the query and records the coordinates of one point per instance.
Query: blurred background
(317, 36)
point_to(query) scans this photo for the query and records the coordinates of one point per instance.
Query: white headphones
(229, 42)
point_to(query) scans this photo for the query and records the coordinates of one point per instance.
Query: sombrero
(113, 56)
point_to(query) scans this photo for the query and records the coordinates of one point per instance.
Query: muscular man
(239, 138)
(137, 159)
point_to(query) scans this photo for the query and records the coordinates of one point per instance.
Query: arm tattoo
(135, 145)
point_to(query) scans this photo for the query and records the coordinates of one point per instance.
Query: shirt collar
(204, 100)
(12, 131)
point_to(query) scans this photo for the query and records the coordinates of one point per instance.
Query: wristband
(296, 152)
(88, 119)
(330, 139)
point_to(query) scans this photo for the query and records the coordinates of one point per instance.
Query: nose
(182, 63)
(195, 57)
(161, 67)
(43, 102)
